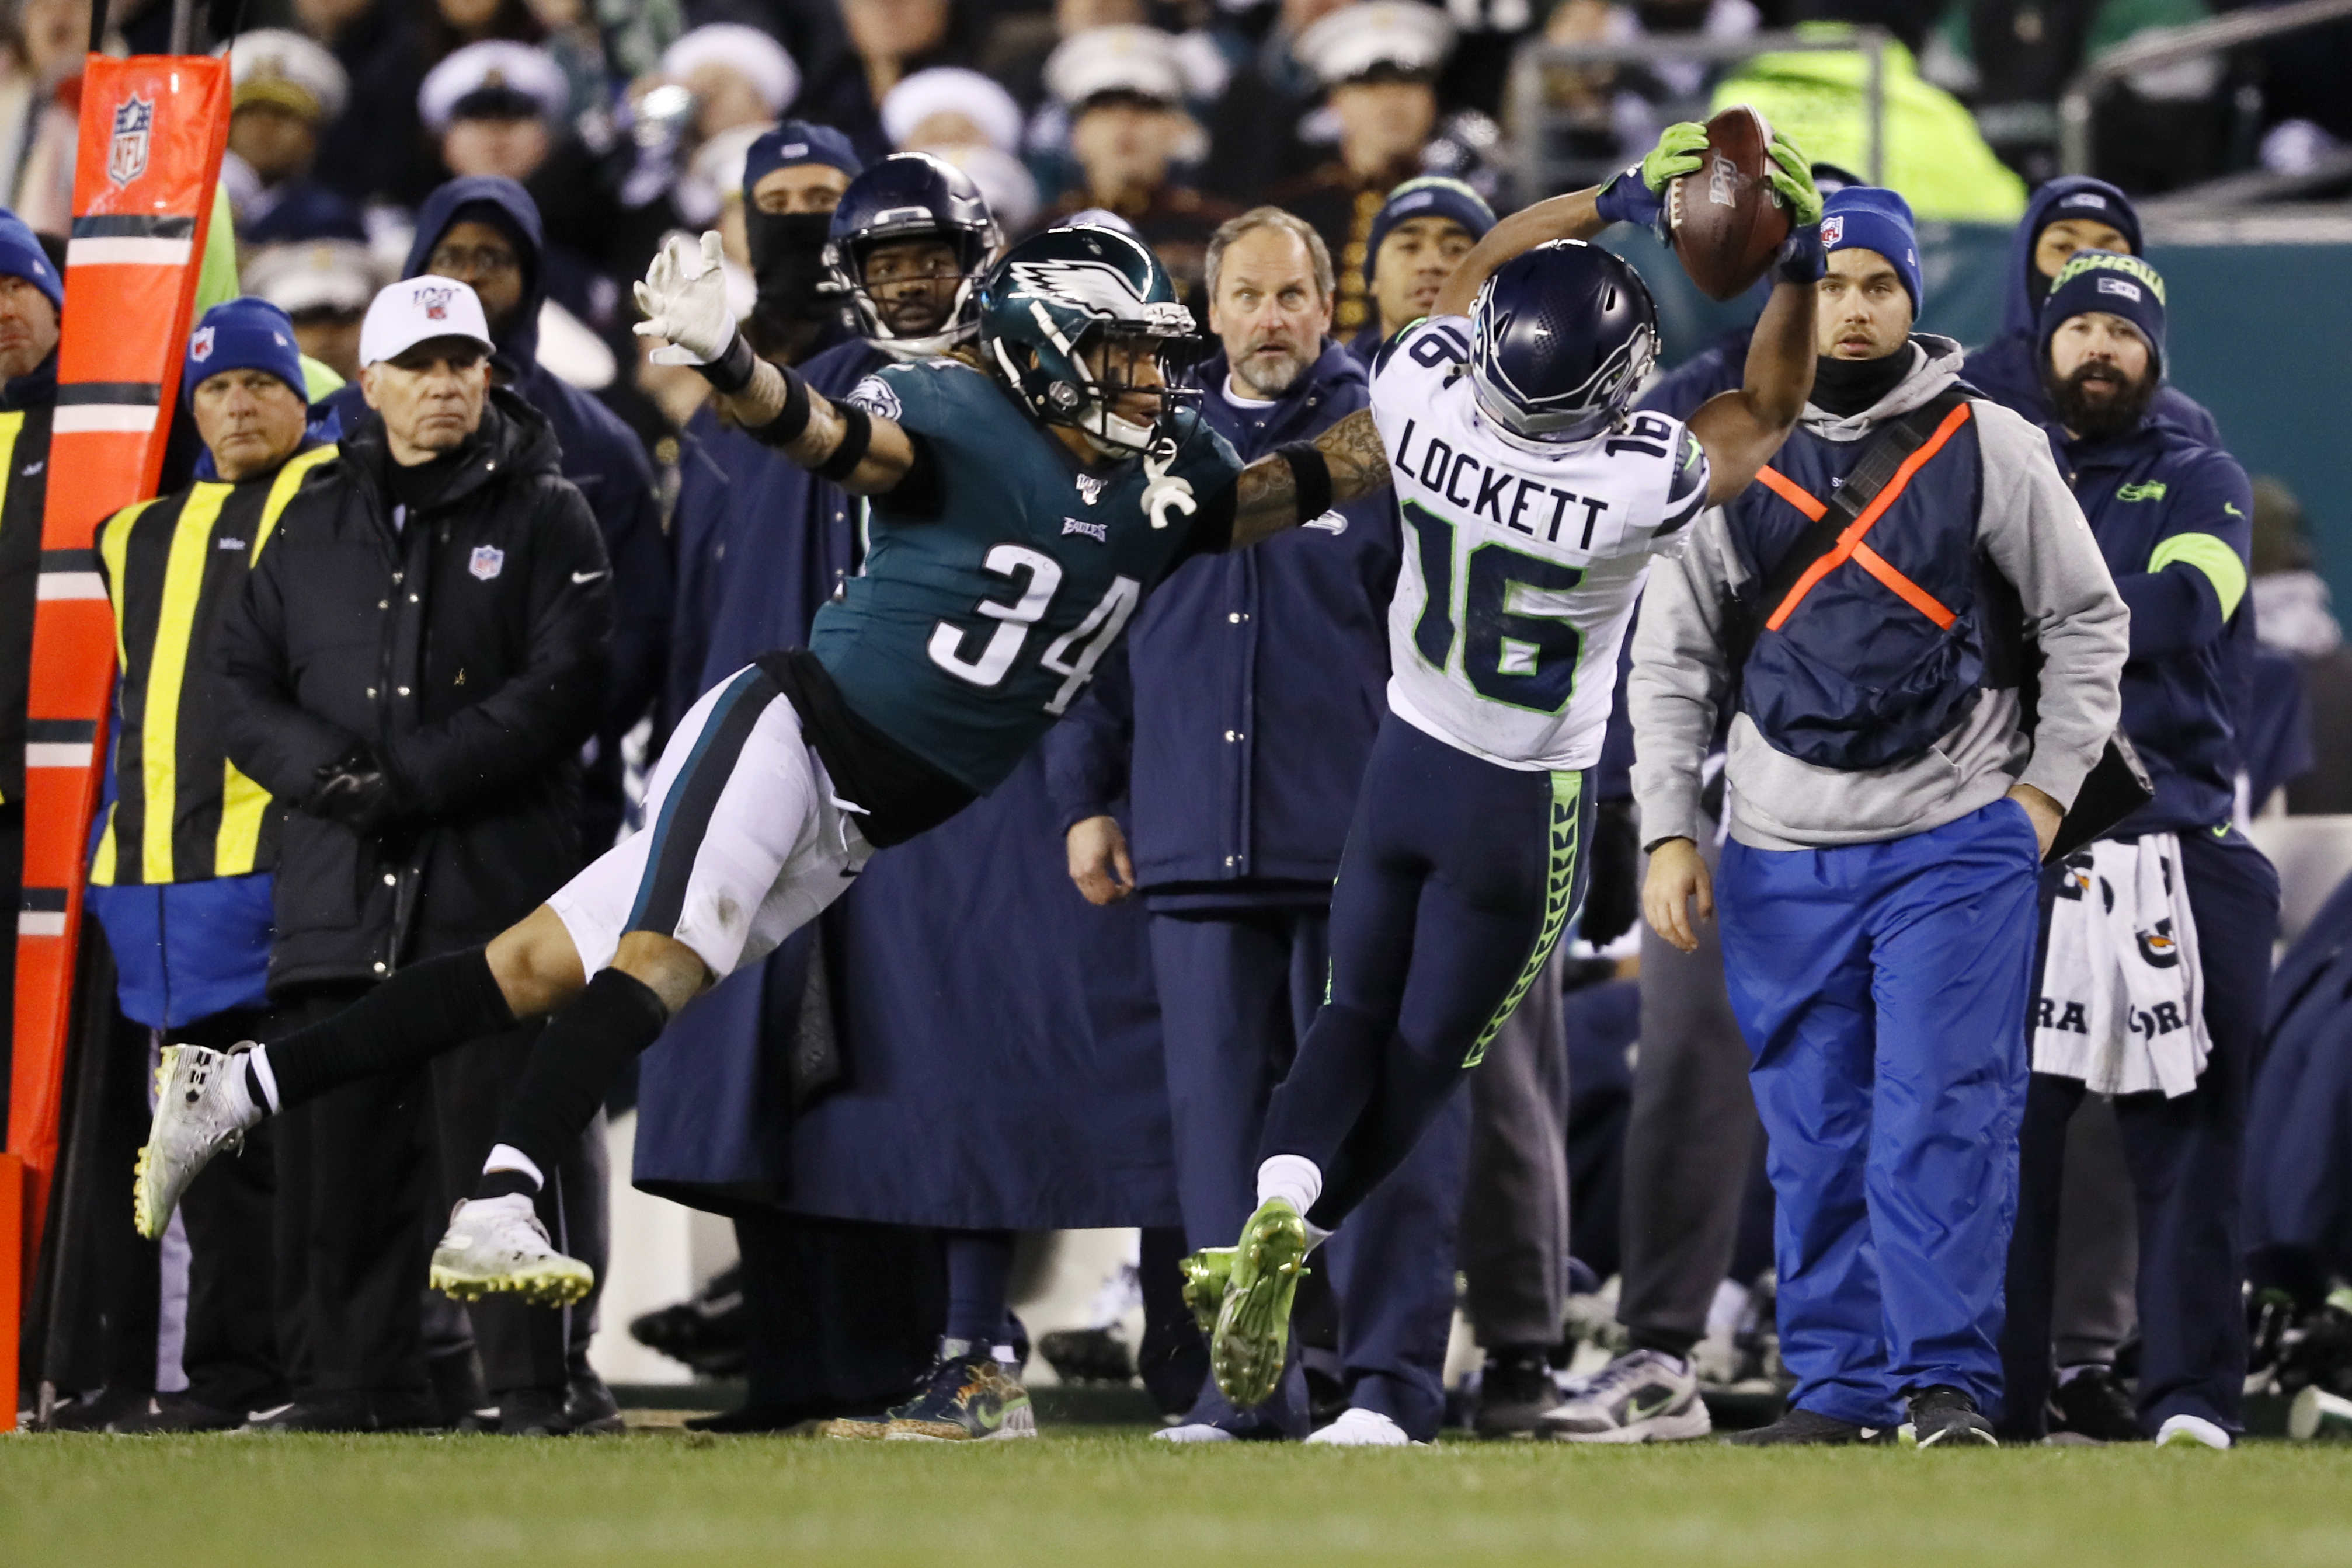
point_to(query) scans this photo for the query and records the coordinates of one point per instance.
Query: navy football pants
(2186, 1155)
(1458, 879)
(1883, 990)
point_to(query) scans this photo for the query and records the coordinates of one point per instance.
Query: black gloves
(1612, 894)
(355, 791)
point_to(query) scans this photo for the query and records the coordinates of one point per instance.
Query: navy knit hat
(2097, 201)
(793, 143)
(1869, 217)
(1430, 196)
(246, 334)
(21, 255)
(2099, 280)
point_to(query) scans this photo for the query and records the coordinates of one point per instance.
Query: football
(1726, 220)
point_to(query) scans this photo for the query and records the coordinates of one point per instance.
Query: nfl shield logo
(200, 347)
(126, 157)
(488, 562)
(1832, 228)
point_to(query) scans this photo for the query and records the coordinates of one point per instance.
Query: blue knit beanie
(1430, 196)
(793, 143)
(2102, 281)
(21, 255)
(244, 335)
(1868, 217)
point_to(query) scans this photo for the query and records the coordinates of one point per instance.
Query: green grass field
(1100, 1497)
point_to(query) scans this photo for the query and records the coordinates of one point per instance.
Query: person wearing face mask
(2071, 214)
(2154, 992)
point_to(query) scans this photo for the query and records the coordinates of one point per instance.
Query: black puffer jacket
(466, 649)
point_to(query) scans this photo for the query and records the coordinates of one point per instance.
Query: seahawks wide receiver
(1535, 501)
(1023, 506)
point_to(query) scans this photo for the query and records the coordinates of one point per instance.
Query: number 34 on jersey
(1523, 558)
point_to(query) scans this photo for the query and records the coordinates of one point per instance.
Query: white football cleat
(496, 1246)
(1193, 1432)
(1358, 1428)
(197, 1115)
(2182, 1431)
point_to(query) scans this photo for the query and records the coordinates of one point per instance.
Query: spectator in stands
(1236, 841)
(324, 288)
(739, 76)
(45, 43)
(965, 118)
(285, 88)
(895, 38)
(377, 152)
(1378, 63)
(1123, 89)
(32, 293)
(2158, 936)
(495, 108)
(1934, 154)
(180, 876)
(1893, 1185)
(430, 769)
(2072, 214)
(1424, 230)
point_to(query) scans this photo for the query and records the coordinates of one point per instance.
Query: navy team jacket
(1258, 679)
(2174, 520)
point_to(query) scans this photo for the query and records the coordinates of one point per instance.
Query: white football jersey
(1522, 559)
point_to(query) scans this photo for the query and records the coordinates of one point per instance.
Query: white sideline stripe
(71, 585)
(86, 418)
(41, 923)
(127, 251)
(56, 753)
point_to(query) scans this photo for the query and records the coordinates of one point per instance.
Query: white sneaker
(1358, 1428)
(2179, 1431)
(1195, 1432)
(1640, 1397)
(198, 1114)
(496, 1246)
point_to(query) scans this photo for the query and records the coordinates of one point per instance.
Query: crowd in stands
(970, 1046)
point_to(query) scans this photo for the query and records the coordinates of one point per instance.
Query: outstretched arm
(1270, 498)
(684, 298)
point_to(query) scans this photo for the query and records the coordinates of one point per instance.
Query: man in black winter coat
(413, 669)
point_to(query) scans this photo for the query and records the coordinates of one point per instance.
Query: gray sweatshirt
(2031, 530)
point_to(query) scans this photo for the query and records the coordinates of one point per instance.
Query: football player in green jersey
(1022, 502)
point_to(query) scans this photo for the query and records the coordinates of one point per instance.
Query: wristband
(792, 419)
(1802, 261)
(1311, 475)
(732, 370)
(857, 435)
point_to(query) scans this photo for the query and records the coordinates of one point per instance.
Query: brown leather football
(1726, 222)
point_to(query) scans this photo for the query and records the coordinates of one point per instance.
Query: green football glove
(1637, 195)
(1792, 177)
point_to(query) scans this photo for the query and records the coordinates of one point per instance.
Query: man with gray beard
(1256, 689)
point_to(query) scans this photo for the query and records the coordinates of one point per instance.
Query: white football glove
(684, 298)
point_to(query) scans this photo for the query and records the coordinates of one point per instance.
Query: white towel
(2122, 1003)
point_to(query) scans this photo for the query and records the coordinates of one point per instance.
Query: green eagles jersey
(972, 629)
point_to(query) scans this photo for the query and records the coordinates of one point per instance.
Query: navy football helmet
(912, 195)
(1560, 339)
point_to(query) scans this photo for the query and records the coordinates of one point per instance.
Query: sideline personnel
(2174, 518)
(180, 876)
(1889, 809)
(413, 669)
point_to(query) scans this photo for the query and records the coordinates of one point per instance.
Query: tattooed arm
(1266, 495)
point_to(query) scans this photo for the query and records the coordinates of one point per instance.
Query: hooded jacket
(1258, 680)
(465, 647)
(2028, 529)
(603, 459)
(2009, 369)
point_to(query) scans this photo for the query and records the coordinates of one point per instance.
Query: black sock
(980, 1273)
(506, 1183)
(419, 1013)
(574, 1061)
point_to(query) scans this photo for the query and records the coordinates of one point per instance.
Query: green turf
(1112, 1499)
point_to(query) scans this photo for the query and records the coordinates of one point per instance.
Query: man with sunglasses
(1020, 511)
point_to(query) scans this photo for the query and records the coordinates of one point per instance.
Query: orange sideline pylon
(152, 131)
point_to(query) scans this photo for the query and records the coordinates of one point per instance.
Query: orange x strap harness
(1849, 546)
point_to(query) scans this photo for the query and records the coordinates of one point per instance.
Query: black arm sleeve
(921, 495)
(1212, 532)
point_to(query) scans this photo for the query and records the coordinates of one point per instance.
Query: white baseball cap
(418, 309)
